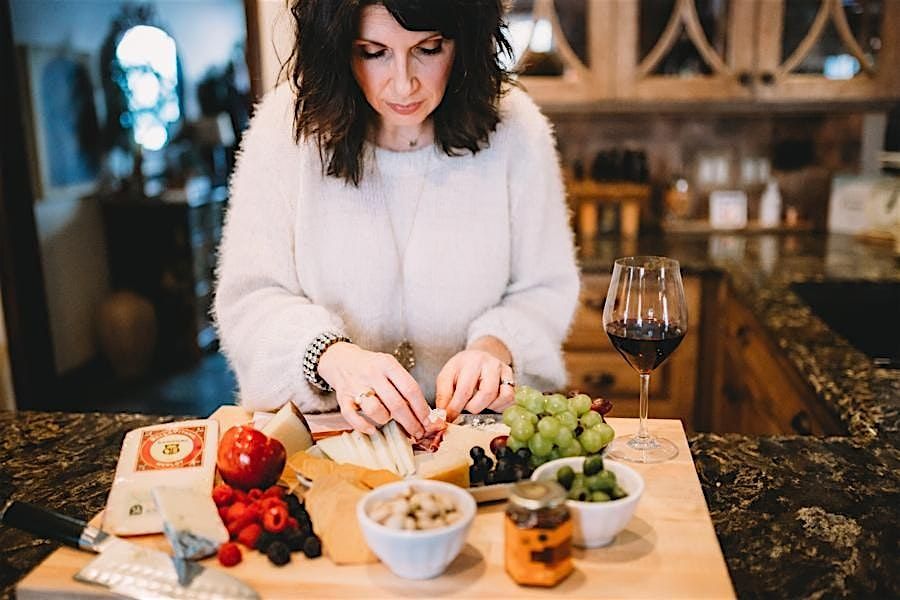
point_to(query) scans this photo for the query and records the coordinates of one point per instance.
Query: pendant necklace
(404, 352)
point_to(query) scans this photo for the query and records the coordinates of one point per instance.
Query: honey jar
(538, 534)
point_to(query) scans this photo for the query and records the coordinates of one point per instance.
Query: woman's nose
(404, 79)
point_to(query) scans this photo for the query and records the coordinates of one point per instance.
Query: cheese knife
(123, 567)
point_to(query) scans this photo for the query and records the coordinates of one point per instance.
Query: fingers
(371, 405)
(507, 395)
(355, 420)
(443, 385)
(409, 390)
(487, 389)
(399, 408)
(466, 383)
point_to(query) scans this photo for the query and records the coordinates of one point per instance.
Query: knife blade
(123, 567)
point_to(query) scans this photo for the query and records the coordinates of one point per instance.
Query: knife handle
(43, 523)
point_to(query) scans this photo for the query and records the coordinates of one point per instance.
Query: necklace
(404, 352)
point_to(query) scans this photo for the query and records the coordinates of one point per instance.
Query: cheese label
(171, 449)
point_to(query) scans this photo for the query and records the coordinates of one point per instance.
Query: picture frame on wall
(61, 122)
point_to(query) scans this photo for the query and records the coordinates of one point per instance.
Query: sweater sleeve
(264, 320)
(535, 313)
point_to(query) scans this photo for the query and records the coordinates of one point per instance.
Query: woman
(397, 229)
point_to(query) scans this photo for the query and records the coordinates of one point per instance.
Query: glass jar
(538, 534)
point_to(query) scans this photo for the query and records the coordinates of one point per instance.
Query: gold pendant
(405, 355)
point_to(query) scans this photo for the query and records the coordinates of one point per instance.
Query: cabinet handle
(745, 78)
(801, 423)
(599, 380)
(767, 77)
(596, 304)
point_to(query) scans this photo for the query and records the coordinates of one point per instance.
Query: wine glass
(645, 317)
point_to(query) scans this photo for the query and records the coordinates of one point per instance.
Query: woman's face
(403, 74)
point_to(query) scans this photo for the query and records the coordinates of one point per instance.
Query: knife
(123, 567)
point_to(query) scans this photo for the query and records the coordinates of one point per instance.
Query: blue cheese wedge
(190, 521)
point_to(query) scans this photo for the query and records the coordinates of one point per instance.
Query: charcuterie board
(669, 549)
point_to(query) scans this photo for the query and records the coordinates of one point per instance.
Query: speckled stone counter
(59, 460)
(800, 517)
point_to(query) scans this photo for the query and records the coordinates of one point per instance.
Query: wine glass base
(646, 450)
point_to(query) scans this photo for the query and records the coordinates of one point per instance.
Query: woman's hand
(476, 379)
(375, 384)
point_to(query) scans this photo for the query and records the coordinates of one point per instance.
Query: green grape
(568, 420)
(590, 441)
(581, 403)
(540, 446)
(556, 403)
(606, 433)
(514, 444)
(522, 392)
(522, 430)
(534, 404)
(534, 461)
(590, 419)
(532, 417)
(513, 414)
(554, 453)
(549, 427)
(573, 448)
(564, 437)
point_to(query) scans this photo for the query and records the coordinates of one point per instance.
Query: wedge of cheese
(451, 466)
(289, 427)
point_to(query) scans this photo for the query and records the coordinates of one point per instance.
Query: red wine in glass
(644, 344)
(645, 317)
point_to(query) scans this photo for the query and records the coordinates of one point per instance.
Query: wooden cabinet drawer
(587, 327)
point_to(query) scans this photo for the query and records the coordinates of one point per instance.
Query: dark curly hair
(330, 108)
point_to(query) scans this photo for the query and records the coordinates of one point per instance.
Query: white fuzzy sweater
(489, 252)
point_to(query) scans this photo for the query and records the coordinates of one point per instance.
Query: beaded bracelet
(314, 352)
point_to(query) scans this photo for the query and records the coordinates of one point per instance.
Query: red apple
(248, 458)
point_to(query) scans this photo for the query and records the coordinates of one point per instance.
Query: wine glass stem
(643, 433)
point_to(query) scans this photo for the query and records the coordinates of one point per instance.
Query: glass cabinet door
(834, 49)
(556, 45)
(684, 49)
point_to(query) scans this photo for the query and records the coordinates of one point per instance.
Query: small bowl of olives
(602, 495)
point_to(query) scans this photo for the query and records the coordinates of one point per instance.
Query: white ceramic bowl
(417, 554)
(597, 523)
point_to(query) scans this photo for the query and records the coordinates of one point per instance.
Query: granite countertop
(800, 516)
(796, 516)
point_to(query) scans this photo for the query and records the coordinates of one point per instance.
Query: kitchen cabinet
(740, 51)
(597, 369)
(166, 252)
(758, 390)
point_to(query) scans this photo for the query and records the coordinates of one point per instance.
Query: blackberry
(264, 540)
(295, 540)
(278, 553)
(312, 547)
(294, 505)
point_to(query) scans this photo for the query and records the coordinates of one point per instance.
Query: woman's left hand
(476, 379)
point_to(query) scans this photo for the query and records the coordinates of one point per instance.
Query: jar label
(538, 556)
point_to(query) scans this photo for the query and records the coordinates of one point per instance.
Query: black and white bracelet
(314, 352)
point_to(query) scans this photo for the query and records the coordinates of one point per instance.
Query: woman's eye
(370, 55)
(432, 50)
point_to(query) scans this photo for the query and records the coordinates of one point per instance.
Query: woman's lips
(405, 109)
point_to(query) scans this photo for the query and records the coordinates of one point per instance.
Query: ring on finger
(357, 399)
(509, 382)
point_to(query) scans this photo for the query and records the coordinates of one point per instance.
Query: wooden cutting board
(669, 549)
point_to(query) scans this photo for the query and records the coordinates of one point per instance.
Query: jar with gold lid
(538, 534)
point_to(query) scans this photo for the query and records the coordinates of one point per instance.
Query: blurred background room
(716, 121)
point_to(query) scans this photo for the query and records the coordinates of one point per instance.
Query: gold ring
(508, 382)
(357, 399)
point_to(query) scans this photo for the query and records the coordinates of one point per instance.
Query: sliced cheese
(401, 447)
(382, 452)
(366, 450)
(336, 449)
(289, 427)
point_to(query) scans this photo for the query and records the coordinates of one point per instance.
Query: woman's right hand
(375, 384)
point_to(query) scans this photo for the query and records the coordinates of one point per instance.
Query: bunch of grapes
(553, 426)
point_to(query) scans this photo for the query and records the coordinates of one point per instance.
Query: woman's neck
(404, 138)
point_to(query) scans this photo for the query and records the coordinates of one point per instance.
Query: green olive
(566, 476)
(599, 497)
(593, 464)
